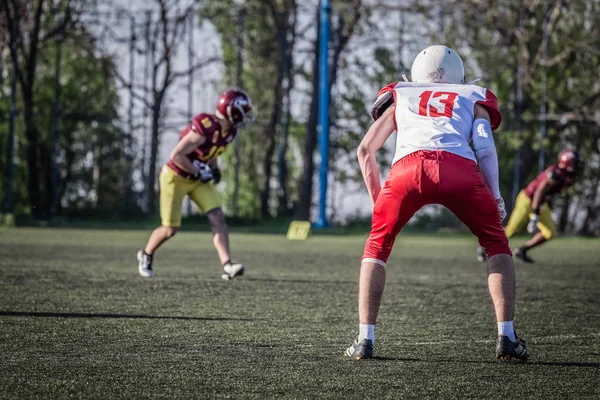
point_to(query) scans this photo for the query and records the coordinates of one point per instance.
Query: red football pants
(435, 177)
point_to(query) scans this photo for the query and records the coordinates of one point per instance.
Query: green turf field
(76, 320)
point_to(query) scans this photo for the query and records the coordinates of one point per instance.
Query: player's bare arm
(540, 194)
(376, 136)
(481, 112)
(536, 203)
(184, 147)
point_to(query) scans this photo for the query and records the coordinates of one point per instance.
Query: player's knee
(500, 263)
(496, 245)
(549, 234)
(216, 217)
(170, 231)
(377, 249)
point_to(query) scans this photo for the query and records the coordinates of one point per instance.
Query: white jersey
(435, 116)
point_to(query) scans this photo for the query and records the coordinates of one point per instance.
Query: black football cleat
(507, 350)
(361, 350)
(521, 254)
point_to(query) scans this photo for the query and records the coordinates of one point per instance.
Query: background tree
(87, 153)
(166, 42)
(32, 25)
(506, 47)
(346, 18)
(269, 37)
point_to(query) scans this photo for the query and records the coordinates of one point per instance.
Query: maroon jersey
(560, 179)
(208, 126)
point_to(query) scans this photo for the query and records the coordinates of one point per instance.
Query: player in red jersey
(436, 116)
(532, 207)
(191, 171)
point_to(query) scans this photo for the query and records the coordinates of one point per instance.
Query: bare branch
(200, 65)
(132, 92)
(61, 27)
(14, 52)
(554, 14)
(33, 45)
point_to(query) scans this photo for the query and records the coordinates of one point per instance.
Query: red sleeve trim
(491, 105)
(387, 88)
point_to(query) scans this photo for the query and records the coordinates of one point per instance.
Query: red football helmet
(235, 106)
(570, 160)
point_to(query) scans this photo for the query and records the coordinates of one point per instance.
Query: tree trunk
(592, 210)
(310, 143)
(69, 159)
(154, 142)
(46, 153)
(270, 146)
(281, 22)
(96, 176)
(564, 214)
(282, 164)
(33, 178)
(340, 36)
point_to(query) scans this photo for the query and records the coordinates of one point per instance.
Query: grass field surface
(76, 320)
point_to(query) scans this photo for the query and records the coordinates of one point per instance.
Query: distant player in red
(191, 171)
(532, 207)
(436, 116)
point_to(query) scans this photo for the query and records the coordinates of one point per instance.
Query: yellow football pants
(173, 188)
(520, 217)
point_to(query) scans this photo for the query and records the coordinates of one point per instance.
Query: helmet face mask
(235, 106)
(241, 106)
(570, 161)
(438, 64)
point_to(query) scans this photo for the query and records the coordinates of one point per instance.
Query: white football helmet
(438, 64)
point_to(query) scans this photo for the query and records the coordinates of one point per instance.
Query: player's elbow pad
(485, 151)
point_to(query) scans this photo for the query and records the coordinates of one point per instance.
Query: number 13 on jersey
(443, 108)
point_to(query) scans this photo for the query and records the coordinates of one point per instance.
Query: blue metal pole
(323, 111)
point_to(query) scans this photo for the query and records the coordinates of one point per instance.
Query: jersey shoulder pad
(491, 105)
(385, 99)
(205, 124)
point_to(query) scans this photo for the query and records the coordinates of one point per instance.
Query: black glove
(216, 173)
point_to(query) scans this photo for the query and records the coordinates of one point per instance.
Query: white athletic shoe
(231, 270)
(144, 264)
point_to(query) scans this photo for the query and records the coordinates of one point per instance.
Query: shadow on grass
(548, 363)
(397, 359)
(567, 363)
(115, 316)
(284, 280)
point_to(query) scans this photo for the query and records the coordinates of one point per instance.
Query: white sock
(366, 331)
(506, 329)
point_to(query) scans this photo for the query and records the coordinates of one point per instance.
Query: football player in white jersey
(436, 117)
